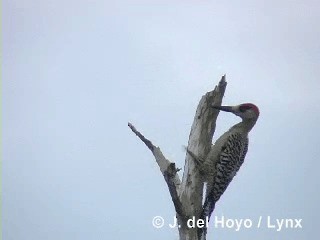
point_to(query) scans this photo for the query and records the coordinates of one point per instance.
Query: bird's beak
(224, 108)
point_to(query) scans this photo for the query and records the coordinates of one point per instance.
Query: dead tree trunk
(187, 194)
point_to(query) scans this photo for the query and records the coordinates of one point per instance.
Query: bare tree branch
(167, 168)
(169, 175)
(187, 194)
(143, 139)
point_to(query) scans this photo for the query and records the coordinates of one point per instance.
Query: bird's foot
(198, 160)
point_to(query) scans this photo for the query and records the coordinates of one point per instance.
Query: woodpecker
(226, 155)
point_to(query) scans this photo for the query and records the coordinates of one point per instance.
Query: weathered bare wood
(167, 168)
(187, 194)
(200, 140)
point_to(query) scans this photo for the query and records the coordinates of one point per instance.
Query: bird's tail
(208, 207)
(210, 200)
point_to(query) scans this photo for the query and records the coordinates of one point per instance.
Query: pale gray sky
(75, 72)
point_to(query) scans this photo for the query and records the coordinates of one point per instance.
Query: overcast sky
(75, 72)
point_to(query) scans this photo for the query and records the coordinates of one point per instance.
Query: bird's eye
(244, 108)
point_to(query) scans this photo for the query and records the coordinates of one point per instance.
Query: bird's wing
(229, 162)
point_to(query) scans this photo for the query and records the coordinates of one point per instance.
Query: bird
(226, 155)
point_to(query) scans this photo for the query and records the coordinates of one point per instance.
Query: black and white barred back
(229, 162)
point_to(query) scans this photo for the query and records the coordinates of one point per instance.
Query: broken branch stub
(187, 194)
